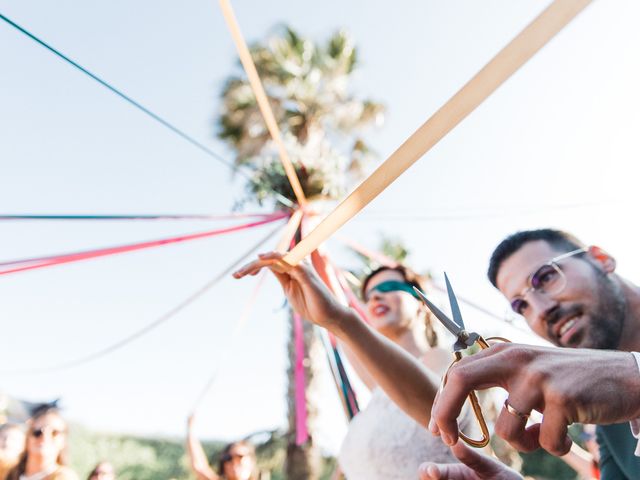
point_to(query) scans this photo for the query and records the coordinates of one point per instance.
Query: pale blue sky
(561, 132)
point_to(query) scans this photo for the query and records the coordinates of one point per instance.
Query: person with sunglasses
(44, 456)
(237, 461)
(570, 295)
(394, 354)
(382, 441)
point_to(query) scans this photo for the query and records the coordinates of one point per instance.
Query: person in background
(236, 462)
(102, 471)
(11, 446)
(44, 456)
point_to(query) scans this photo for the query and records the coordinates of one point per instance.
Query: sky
(556, 146)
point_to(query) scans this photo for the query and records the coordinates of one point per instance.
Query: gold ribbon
(261, 98)
(472, 94)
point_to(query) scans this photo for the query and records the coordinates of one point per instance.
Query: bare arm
(197, 458)
(407, 382)
(403, 378)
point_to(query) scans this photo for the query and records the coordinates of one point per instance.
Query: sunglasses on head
(39, 432)
(391, 286)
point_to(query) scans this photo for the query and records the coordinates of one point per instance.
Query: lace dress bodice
(384, 443)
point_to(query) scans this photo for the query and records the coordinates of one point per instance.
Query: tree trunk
(303, 461)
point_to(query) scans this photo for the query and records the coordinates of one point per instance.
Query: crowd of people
(568, 292)
(37, 450)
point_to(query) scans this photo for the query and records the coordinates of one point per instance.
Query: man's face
(588, 312)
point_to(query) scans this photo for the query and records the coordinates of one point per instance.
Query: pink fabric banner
(302, 434)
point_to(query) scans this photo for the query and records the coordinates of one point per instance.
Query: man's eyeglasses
(40, 432)
(549, 279)
(391, 286)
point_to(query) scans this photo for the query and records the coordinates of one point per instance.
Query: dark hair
(225, 456)
(413, 279)
(20, 468)
(96, 469)
(561, 241)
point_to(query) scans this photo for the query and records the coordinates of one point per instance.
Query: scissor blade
(453, 301)
(446, 321)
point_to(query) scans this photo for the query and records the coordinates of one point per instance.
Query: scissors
(464, 340)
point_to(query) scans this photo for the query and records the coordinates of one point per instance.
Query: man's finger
(462, 379)
(554, 436)
(495, 366)
(512, 421)
(433, 471)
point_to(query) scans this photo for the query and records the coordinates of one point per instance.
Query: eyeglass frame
(551, 263)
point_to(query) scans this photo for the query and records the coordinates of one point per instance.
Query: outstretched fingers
(264, 260)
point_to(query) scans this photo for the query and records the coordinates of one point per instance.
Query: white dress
(384, 443)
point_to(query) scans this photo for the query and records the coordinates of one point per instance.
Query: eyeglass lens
(548, 279)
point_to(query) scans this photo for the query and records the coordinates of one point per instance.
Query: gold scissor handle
(473, 398)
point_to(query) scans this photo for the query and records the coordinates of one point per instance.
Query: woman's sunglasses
(391, 286)
(39, 432)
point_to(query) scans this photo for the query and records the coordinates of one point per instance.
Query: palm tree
(321, 123)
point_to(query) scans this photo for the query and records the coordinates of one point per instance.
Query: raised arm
(407, 382)
(197, 458)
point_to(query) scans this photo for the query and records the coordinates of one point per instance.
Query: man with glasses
(570, 295)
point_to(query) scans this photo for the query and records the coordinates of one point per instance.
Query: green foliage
(544, 466)
(395, 249)
(320, 119)
(140, 458)
(391, 247)
(134, 458)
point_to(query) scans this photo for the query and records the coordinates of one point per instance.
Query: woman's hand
(305, 291)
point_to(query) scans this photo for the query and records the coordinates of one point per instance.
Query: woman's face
(46, 437)
(390, 313)
(241, 463)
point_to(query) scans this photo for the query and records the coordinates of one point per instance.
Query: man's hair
(561, 241)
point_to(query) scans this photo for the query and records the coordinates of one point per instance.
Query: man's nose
(541, 304)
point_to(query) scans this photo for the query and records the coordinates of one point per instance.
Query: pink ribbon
(41, 262)
(302, 434)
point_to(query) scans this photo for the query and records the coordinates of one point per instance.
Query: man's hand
(567, 386)
(474, 466)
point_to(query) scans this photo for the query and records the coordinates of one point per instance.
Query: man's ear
(605, 260)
